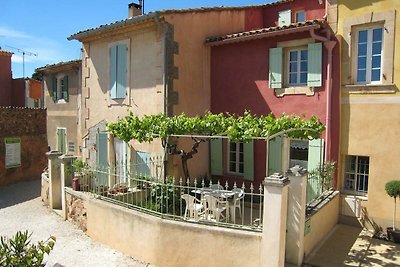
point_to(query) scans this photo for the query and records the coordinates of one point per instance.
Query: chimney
(135, 9)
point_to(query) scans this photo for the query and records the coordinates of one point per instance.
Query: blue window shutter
(315, 153)
(113, 72)
(216, 157)
(285, 18)
(143, 164)
(248, 161)
(275, 67)
(314, 76)
(275, 156)
(121, 70)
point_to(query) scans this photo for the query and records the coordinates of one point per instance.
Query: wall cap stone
(276, 180)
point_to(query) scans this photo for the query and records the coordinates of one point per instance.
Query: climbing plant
(237, 128)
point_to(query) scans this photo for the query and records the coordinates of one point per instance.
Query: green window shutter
(61, 140)
(285, 18)
(102, 157)
(121, 70)
(275, 67)
(275, 156)
(113, 72)
(248, 161)
(315, 153)
(314, 76)
(64, 89)
(216, 157)
(54, 88)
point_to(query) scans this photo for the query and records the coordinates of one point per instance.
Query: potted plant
(393, 190)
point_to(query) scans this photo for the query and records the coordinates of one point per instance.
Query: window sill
(61, 101)
(280, 92)
(371, 89)
(357, 195)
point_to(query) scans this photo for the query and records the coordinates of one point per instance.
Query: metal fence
(195, 201)
(319, 183)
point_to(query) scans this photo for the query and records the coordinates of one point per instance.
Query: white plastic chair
(237, 202)
(215, 207)
(194, 208)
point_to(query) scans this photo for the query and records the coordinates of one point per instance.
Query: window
(300, 16)
(303, 66)
(297, 67)
(239, 158)
(356, 174)
(369, 55)
(118, 71)
(298, 153)
(284, 18)
(236, 158)
(59, 88)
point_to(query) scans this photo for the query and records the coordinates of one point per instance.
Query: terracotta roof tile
(137, 19)
(59, 64)
(260, 31)
(5, 52)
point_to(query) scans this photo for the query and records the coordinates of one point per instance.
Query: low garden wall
(29, 127)
(76, 203)
(170, 243)
(321, 222)
(44, 192)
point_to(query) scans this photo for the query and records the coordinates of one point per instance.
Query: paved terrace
(22, 209)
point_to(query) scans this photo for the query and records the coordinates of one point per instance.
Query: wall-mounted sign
(13, 152)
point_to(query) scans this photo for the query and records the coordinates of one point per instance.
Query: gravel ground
(22, 209)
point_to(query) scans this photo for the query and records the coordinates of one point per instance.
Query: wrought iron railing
(195, 201)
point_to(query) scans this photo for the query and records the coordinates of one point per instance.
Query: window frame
(59, 83)
(281, 89)
(368, 78)
(237, 158)
(356, 173)
(296, 13)
(299, 50)
(350, 25)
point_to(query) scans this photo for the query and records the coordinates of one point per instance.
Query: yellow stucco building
(370, 108)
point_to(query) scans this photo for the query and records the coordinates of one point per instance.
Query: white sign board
(13, 152)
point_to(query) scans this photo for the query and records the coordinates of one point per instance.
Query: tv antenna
(24, 52)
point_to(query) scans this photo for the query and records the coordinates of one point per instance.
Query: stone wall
(30, 126)
(76, 208)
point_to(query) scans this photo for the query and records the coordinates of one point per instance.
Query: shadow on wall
(18, 193)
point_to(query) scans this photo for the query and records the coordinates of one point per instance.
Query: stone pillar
(66, 179)
(296, 219)
(274, 221)
(54, 179)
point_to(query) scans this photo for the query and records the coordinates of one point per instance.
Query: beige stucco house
(370, 121)
(149, 64)
(62, 90)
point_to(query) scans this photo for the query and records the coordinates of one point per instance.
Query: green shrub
(393, 188)
(18, 250)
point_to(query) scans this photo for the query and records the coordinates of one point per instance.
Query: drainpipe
(329, 45)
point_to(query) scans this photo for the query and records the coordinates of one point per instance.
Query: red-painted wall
(18, 92)
(5, 79)
(268, 16)
(239, 82)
